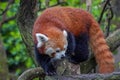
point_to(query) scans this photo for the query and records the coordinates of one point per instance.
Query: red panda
(65, 32)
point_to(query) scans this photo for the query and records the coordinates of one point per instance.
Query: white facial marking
(59, 55)
(65, 46)
(65, 33)
(41, 38)
(49, 51)
(39, 44)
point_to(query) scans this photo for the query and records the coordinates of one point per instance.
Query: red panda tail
(103, 55)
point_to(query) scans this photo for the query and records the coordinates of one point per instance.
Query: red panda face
(54, 45)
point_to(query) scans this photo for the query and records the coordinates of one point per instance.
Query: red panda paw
(49, 69)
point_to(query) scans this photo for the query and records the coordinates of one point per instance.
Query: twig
(7, 20)
(47, 3)
(88, 4)
(7, 7)
(109, 18)
(3, 14)
(41, 9)
(58, 2)
(104, 8)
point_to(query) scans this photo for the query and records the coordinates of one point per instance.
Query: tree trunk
(25, 19)
(3, 63)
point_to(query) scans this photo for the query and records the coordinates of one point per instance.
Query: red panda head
(54, 43)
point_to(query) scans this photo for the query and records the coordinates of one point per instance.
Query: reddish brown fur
(102, 53)
(77, 21)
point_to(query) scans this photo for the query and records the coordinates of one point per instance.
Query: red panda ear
(65, 33)
(41, 38)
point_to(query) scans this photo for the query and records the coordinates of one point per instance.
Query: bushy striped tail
(103, 55)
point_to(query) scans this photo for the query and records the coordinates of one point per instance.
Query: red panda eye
(42, 38)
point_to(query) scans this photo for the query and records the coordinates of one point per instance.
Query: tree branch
(37, 72)
(7, 20)
(47, 4)
(7, 7)
(31, 74)
(111, 76)
(25, 19)
(104, 8)
(114, 40)
(89, 4)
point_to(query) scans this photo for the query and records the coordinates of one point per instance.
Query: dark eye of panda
(42, 39)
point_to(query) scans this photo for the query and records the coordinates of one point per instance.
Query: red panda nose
(62, 57)
(53, 55)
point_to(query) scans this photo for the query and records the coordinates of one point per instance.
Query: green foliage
(74, 3)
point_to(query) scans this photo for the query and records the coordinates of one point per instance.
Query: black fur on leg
(45, 62)
(71, 45)
(81, 49)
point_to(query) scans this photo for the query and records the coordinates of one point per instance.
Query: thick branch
(37, 72)
(31, 74)
(114, 40)
(25, 18)
(112, 76)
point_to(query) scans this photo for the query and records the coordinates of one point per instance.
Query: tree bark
(25, 19)
(31, 74)
(3, 63)
(88, 5)
(37, 72)
(111, 76)
(114, 37)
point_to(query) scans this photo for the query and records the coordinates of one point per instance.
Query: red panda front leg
(45, 62)
(71, 45)
(77, 50)
(81, 49)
